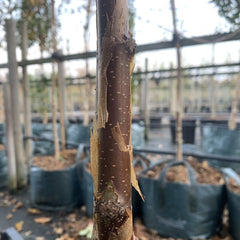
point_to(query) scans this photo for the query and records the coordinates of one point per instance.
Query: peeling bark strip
(111, 150)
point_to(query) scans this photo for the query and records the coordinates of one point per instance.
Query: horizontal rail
(184, 42)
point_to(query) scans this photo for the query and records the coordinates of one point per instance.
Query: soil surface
(48, 163)
(204, 173)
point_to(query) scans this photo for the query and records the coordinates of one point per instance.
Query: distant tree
(38, 15)
(230, 10)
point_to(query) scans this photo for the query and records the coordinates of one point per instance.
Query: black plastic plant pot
(218, 139)
(188, 130)
(179, 210)
(55, 190)
(155, 122)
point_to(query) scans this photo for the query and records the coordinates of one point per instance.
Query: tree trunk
(62, 102)
(14, 91)
(179, 86)
(27, 103)
(54, 80)
(111, 150)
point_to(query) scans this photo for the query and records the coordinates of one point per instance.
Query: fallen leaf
(33, 211)
(19, 226)
(40, 238)
(28, 233)
(18, 205)
(87, 232)
(58, 231)
(9, 216)
(205, 164)
(42, 220)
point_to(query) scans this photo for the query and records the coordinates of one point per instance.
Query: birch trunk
(179, 86)
(54, 80)
(111, 150)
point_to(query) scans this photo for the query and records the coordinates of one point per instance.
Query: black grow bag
(41, 130)
(188, 130)
(136, 198)
(233, 203)
(218, 139)
(55, 190)
(3, 169)
(78, 133)
(180, 210)
(87, 187)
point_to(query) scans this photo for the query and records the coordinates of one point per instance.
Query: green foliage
(37, 13)
(39, 94)
(230, 10)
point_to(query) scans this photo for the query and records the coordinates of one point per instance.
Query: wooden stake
(26, 97)
(12, 170)
(14, 89)
(62, 102)
(146, 102)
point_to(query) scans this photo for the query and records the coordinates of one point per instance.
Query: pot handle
(139, 161)
(191, 173)
(230, 173)
(192, 198)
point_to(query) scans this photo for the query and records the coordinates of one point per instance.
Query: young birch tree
(179, 85)
(111, 150)
(54, 80)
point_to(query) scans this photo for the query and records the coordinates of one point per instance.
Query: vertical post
(146, 102)
(179, 85)
(12, 169)
(232, 120)
(1, 104)
(14, 89)
(212, 87)
(26, 96)
(88, 80)
(62, 102)
(54, 80)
